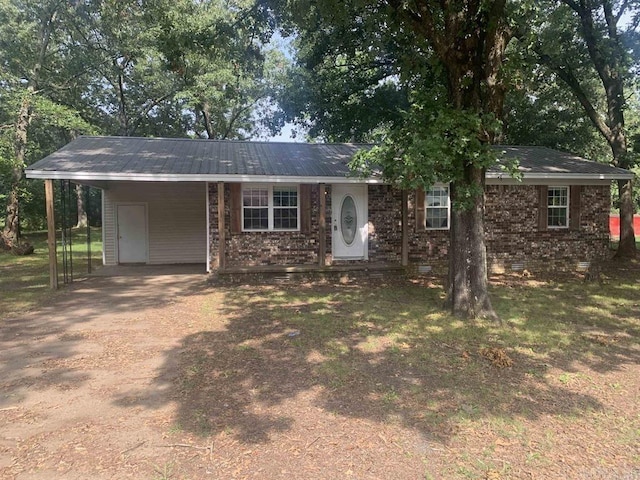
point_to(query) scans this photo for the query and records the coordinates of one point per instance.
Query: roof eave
(153, 177)
(561, 176)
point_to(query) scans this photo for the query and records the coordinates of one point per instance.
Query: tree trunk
(122, 108)
(468, 294)
(82, 212)
(11, 233)
(627, 246)
(206, 120)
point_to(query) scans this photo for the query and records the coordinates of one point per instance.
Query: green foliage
(433, 144)
(216, 50)
(348, 83)
(159, 68)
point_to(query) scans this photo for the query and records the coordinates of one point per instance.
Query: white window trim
(553, 207)
(426, 207)
(270, 206)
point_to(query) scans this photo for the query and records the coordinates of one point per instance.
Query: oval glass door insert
(348, 220)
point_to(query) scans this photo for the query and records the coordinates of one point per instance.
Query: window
(270, 208)
(437, 208)
(558, 207)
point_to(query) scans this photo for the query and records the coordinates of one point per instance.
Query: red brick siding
(513, 235)
(385, 224)
(511, 222)
(264, 248)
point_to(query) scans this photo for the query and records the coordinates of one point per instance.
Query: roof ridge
(225, 140)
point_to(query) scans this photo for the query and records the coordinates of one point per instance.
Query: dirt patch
(169, 377)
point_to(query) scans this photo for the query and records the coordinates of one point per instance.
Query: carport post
(221, 227)
(322, 230)
(51, 234)
(405, 228)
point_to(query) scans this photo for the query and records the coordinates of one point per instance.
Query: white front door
(132, 233)
(350, 225)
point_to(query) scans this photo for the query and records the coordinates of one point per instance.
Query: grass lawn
(550, 394)
(374, 380)
(24, 280)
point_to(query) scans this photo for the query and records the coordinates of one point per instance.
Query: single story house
(238, 207)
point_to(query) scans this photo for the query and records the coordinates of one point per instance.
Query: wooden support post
(51, 234)
(221, 227)
(322, 230)
(405, 228)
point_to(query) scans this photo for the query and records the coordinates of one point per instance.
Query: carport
(151, 213)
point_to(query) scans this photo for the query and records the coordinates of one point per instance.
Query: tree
(344, 84)
(32, 73)
(155, 68)
(130, 90)
(217, 51)
(546, 113)
(448, 56)
(583, 41)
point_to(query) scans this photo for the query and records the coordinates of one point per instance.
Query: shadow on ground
(37, 348)
(385, 352)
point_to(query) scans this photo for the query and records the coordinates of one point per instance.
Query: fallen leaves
(497, 356)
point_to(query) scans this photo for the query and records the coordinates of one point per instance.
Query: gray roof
(169, 159)
(543, 160)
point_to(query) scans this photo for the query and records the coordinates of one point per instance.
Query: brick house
(242, 207)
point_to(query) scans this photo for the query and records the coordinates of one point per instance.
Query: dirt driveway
(72, 373)
(91, 386)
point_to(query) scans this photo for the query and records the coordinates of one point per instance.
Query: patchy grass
(24, 280)
(374, 380)
(506, 401)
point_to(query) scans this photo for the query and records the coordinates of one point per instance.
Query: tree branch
(574, 84)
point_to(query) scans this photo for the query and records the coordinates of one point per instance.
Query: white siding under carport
(176, 219)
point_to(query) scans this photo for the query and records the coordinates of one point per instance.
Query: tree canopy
(435, 83)
(122, 67)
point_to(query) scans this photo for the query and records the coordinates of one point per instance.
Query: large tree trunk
(468, 294)
(627, 246)
(11, 232)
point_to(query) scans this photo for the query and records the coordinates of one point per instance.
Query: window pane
(438, 197)
(437, 218)
(437, 207)
(285, 197)
(285, 218)
(557, 217)
(256, 218)
(255, 197)
(557, 197)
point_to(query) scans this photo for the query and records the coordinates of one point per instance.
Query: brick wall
(513, 235)
(245, 249)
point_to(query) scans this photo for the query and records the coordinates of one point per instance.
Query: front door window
(348, 220)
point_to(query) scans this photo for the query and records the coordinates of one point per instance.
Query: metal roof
(171, 159)
(540, 162)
